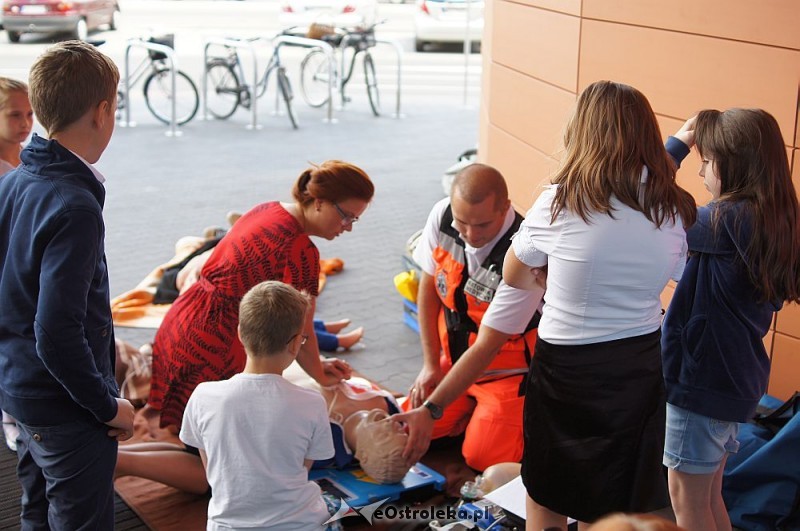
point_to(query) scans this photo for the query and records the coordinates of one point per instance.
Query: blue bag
(761, 483)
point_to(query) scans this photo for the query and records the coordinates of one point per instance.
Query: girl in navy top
(744, 256)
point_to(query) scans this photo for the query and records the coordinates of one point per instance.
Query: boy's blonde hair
(7, 86)
(270, 315)
(68, 80)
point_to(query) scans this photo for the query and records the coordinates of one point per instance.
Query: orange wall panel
(679, 80)
(525, 169)
(538, 118)
(785, 373)
(543, 44)
(788, 321)
(570, 7)
(774, 22)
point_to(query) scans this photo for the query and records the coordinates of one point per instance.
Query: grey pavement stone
(162, 188)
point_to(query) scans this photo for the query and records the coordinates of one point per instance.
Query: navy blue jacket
(56, 335)
(715, 362)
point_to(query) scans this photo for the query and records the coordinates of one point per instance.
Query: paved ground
(162, 188)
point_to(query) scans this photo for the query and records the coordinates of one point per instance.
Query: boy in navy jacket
(56, 335)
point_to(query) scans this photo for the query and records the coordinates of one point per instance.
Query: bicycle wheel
(222, 89)
(158, 96)
(372, 85)
(314, 73)
(285, 86)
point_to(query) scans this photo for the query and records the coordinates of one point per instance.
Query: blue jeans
(696, 444)
(67, 476)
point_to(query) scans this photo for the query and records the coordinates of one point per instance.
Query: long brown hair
(749, 157)
(333, 180)
(611, 136)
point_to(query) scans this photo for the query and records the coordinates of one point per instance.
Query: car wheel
(114, 24)
(13, 36)
(81, 31)
(419, 45)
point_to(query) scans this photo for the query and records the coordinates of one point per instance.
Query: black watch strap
(435, 410)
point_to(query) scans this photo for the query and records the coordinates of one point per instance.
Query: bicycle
(227, 89)
(158, 86)
(314, 70)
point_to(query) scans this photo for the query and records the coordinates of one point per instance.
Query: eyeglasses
(303, 339)
(347, 219)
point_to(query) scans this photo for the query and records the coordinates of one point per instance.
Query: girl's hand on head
(686, 133)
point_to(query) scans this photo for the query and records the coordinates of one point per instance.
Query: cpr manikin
(362, 411)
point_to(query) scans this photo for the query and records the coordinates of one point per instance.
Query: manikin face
(710, 179)
(477, 224)
(379, 447)
(16, 118)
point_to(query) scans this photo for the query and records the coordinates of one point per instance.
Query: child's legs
(695, 451)
(171, 466)
(66, 473)
(326, 341)
(494, 433)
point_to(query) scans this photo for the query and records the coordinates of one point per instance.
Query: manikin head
(379, 447)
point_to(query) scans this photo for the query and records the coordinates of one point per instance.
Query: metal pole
(173, 126)
(399, 51)
(254, 89)
(467, 49)
(127, 86)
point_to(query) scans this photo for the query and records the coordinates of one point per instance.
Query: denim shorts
(696, 444)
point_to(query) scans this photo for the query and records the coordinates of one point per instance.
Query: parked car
(338, 13)
(76, 17)
(446, 21)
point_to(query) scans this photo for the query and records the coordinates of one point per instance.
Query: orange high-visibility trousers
(490, 416)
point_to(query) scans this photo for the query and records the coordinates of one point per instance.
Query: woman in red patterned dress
(197, 340)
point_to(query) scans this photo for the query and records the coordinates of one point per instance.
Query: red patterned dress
(197, 342)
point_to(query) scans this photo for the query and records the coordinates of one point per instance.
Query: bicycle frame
(169, 58)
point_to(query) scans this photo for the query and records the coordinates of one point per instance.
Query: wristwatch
(435, 410)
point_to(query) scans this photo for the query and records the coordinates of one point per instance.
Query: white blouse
(604, 278)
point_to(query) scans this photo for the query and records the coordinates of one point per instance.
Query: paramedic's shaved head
(477, 182)
(479, 201)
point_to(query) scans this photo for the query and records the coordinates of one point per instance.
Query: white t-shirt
(256, 430)
(605, 278)
(511, 309)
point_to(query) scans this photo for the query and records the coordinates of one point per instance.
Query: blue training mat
(355, 487)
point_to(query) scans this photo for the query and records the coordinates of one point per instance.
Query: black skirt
(594, 427)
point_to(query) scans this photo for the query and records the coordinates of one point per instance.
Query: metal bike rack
(398, 50)
(291, 40)
(233, 43)
(169, 54)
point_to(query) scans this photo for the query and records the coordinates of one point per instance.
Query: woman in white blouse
(607, 235)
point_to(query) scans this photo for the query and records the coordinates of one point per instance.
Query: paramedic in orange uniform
(477, 332)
